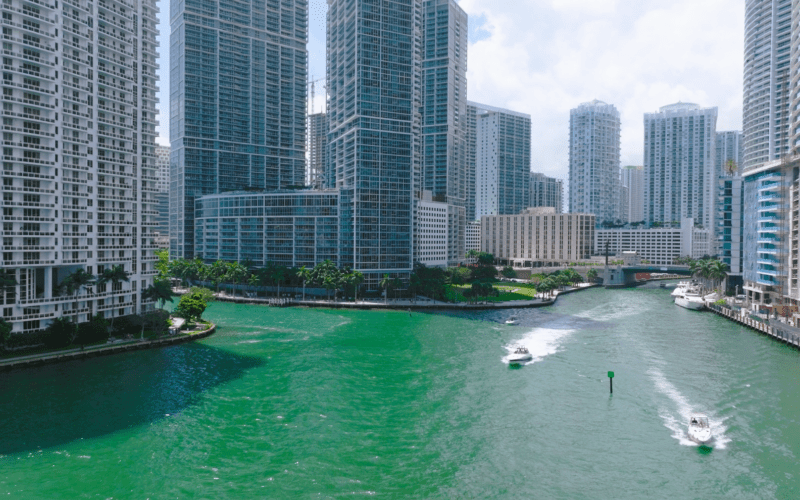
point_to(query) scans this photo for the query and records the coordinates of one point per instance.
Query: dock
(783, 333)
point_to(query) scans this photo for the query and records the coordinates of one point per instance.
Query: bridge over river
(625, 276)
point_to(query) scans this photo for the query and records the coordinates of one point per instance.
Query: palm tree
(385, 283)
(718, 271)
(591, 275)
(160, 291)
(74, 283)
(356, 278)
(278, 274)
(304, 274)
(115, 275)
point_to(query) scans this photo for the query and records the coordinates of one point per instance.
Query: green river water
(299, 403)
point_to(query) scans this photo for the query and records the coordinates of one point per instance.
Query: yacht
(512, 321)
(691, 299)
(681, 287)
(699, 430)
(520, 355)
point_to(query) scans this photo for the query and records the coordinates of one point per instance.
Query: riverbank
(403, 304)
(103, 350)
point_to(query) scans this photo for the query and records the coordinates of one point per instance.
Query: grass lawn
(508, 291)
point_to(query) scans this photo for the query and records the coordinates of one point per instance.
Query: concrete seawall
(405, 304)
(760, 326)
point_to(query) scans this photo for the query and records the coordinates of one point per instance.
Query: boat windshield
(700, 421)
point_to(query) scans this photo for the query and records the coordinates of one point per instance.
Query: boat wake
(540, 342)
(678, 423)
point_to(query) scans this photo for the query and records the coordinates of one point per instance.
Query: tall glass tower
(444, 110)
(373, 97)
(237, 102)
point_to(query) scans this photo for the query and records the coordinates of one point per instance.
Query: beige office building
(538, 237)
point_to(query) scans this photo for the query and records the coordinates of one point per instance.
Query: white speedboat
(520, 355)
(691, 299)
(699, 430)
(512, 321)
(681, 287)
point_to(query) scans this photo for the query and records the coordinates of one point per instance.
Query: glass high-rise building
(632, 178)
(502, 160)
(374, 94)
(679, 164)
(546, 192)
(316, 172)
(594, 151)
(444, 110)
(238, 73)
(79, 157)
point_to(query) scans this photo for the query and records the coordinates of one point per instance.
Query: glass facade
(444, 103)
(237, 102)
(292, 229)
(765, 248)
(373, 94)
(502, 160)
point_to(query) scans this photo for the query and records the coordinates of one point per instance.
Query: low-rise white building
(538, 237)
(432, 231)
(658, 246)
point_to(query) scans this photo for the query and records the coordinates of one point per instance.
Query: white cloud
(545, 58)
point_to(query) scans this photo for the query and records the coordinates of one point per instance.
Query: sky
(545, 57)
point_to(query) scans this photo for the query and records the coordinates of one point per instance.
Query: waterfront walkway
(776, 332)
(419, 304)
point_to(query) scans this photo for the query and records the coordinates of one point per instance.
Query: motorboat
(682, 286)
(699, 430)
(512, 321)
(520, 355)
(691, 299)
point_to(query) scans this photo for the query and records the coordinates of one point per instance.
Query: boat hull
(689, 304)
(700, 436)
(516, 359)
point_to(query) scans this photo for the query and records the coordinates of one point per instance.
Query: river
(299, 403)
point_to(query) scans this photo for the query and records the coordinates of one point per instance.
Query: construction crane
(312, 82)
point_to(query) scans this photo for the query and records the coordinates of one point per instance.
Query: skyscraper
(679, 172)
(594, 150)
(444, 110)
(633, 179)
(471, 147)
(374, 130)
(546, 192)
(238, 73)
(79, 160)
(316, 172)
(767, 178)
(729, 156)
(766, 80)
(502, 161)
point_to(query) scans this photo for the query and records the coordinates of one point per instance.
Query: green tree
(160, 291)
(237, 274)
(94, 330)
(5, 333)
(356, 279)
(162, 264)
(509, 272)
(385, 284)
(485, 259)
(191, 307)
(114, 275)
(591, 276)
(204, 293)
(74, 283)
(304, 274)
(60, 333)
